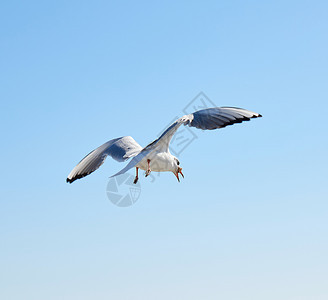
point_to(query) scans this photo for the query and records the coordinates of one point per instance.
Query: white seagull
(156, 156)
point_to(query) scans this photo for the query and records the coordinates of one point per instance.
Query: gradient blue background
(249, 221)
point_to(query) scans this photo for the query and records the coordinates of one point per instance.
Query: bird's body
(156, 156)
(159, 162)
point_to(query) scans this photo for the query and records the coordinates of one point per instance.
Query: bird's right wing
(205, 119)
(120, 149)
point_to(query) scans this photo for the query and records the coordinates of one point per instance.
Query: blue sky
(249, 221)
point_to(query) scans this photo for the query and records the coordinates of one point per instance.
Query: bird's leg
(136, 178)
(148, 170)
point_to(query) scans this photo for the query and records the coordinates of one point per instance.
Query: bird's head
(177, 169)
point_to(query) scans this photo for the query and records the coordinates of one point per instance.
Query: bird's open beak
(177, 174)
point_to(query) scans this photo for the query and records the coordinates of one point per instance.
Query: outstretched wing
(120, 149)
(206, 119)
(134, 161)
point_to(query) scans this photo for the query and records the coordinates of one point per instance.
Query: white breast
(159, 162)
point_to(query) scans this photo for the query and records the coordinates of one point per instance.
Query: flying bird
(156, 156)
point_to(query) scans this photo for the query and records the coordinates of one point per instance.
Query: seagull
(156, 156)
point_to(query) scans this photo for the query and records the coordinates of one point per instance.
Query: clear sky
(249, 221)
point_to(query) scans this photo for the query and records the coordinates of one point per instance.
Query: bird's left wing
(205, 119)
(134, 161)
(119, 149)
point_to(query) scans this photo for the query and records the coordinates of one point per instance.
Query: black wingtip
(256, 116)
(70, 180)
(79, 176)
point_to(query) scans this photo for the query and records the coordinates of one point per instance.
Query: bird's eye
(178, 162)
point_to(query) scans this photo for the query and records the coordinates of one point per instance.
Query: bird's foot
(148, 170)
(135, 180)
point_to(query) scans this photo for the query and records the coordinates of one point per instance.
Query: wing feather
(206, 119)
(119, 149)
(220, 117)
